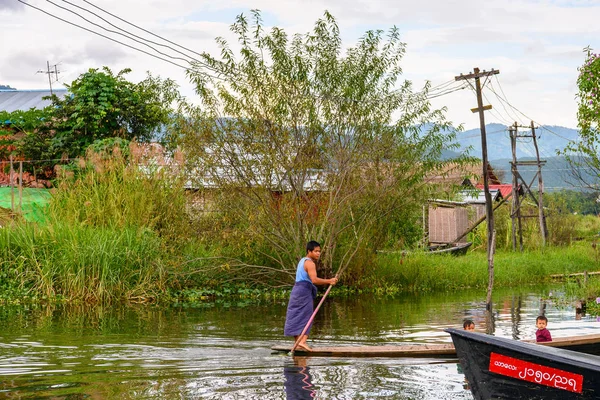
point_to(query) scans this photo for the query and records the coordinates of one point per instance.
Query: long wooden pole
(543, 226)
(489, 213)
(312, 317)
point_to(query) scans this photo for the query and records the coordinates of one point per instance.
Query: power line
(115, 32)
(491, 110)
(104, 36)
(456, 89)
(499, 98)
(133, 34)
(494, 112)
(520, 112)
(433, 92)
(435, 88)
(140, 28)
(514, 117)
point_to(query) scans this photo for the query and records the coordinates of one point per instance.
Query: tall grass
(77, 262)
(116, 192)
(113, 224)
(425, 272)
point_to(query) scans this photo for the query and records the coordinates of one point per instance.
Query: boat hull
(499, 368)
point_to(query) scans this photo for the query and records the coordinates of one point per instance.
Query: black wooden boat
(457, 249)
(499, 368)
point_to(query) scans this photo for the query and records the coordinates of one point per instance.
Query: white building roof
(14, 100)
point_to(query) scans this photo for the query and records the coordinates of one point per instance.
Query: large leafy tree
(100, 105)
(583, 154)
(299, 139)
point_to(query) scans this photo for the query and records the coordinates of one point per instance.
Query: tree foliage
(98, 105)
(101, 104)
(297, 138)
(583, 154)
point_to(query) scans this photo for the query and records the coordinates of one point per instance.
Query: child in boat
(469, 325)
(542, 334)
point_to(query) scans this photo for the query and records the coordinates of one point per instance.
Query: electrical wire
(531, 119)
(109, 38)
(491, 87)
(118, 33)
(142, 29)
(140, 37)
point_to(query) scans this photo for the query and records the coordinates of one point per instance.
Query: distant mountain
(556, 172)
(549, 139)
(449, 154)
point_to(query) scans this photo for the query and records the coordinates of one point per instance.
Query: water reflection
(298, 382)
(222, 350)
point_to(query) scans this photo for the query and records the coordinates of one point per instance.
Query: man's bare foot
(304, 346)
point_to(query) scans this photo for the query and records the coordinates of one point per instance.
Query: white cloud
(536, 44)
(10, 5)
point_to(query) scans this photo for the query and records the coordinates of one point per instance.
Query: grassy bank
(112, 232)
(423, 272)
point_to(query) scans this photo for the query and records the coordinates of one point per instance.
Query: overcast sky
(536, 44)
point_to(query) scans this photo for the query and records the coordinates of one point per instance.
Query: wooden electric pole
(542, 217)
(519, 183)
(489, 213)
(516, 205)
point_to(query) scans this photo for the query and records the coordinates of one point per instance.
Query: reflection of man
(298, 385)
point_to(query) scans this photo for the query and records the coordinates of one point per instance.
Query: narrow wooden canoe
(409, 350)
(500, 368)
(589, 344)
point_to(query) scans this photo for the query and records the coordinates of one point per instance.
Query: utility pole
(489, 213)
(516, 205)
(49, 72)
(543, 226)
(519, 182)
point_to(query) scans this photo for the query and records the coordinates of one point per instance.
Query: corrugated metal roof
(13, 100)
(478, 197)
(505, 189)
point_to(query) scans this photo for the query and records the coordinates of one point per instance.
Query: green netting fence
(33, 202)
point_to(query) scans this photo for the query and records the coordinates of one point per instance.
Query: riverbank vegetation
(117, 232)
(302, 143)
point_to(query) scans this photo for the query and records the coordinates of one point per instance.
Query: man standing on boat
(300, 306)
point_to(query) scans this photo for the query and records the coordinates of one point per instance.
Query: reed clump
(112, 226)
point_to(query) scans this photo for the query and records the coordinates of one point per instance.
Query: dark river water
(222, 350)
